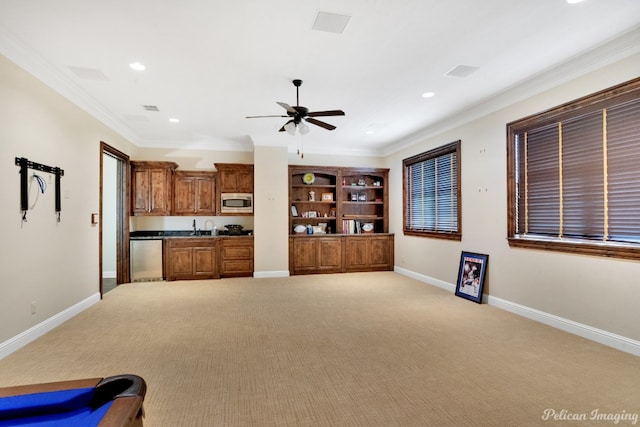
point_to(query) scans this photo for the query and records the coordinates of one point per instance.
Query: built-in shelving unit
(338, 220)
(313, 202)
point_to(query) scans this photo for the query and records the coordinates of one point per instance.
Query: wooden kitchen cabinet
(151, 187)
(235, 177)
(315, 254)
(236, 256)
(191, 258)
(194, 193)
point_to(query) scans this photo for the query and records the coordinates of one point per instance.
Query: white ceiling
(210, 63)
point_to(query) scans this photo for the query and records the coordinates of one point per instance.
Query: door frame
(122, 214)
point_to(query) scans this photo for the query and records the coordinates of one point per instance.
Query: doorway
(114, 218)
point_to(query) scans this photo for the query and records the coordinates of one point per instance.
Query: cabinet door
(160, 191)
(184, 191)
(304, 255)
(227, 181)
(180, 262)
(140, 187)
(380, 254)
(204, 261)
(244, 181)
(205, 196)
(356, 257)
(329, 254)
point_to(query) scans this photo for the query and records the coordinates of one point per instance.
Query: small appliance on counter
(234, 230)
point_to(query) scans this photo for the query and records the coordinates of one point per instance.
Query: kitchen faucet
(194, 226)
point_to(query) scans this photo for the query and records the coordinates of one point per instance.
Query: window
(574, 176)
(432, 193)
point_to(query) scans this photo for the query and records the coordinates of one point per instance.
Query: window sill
(433, 234)
(611, 250)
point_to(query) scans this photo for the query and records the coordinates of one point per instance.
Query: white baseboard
(423, 278)
(267, 274)
(618, 342)
(108, 274)
(24, 338)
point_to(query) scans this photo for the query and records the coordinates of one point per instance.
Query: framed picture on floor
(473, 268)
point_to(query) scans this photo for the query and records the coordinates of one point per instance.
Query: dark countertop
(179, 234)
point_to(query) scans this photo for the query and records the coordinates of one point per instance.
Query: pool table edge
(124, 411)
(46, 387)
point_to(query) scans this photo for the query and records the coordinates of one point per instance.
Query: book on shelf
(352, 226)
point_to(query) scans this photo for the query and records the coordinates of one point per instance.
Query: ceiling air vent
(150, 108)
(89, 74)
(461, 71)
(331, 22)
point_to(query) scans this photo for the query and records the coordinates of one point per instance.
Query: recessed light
(428, 95)
(174, 120)
(137, 66)
(370, 132)
(574, 1)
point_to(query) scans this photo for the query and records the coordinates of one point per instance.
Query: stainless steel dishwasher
(146, 260)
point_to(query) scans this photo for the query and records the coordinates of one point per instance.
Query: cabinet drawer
(237, 252)
(192, 243)
(237, 267)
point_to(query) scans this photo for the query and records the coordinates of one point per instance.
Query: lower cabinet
(236, 256)
(368, 253)
(339, 253)
(315, 255)
(188, 258)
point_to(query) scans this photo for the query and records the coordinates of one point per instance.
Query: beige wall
(53, 264)
(271, 212)
(597, 292)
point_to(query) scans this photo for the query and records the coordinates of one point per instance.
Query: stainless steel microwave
(236, 203)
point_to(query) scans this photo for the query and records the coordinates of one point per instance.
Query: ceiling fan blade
(326, 113)
(258, 117)
(321, 124)
(287, 107)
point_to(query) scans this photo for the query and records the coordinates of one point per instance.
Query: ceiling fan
(299, 113)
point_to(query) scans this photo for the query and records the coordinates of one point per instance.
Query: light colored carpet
(364, 349)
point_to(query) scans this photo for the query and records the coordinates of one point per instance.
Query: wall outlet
(33, 307)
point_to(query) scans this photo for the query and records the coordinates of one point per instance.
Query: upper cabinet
(194, 193)
(151, 187)
(235, 177)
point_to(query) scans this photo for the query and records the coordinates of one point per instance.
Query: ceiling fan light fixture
(290, 127)
(137, 66)
(304, 129)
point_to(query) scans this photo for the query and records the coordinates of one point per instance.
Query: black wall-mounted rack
(26, 164)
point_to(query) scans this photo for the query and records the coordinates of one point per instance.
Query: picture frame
(312, 214)
(294, 210)
(471, 275)
(327, 197)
